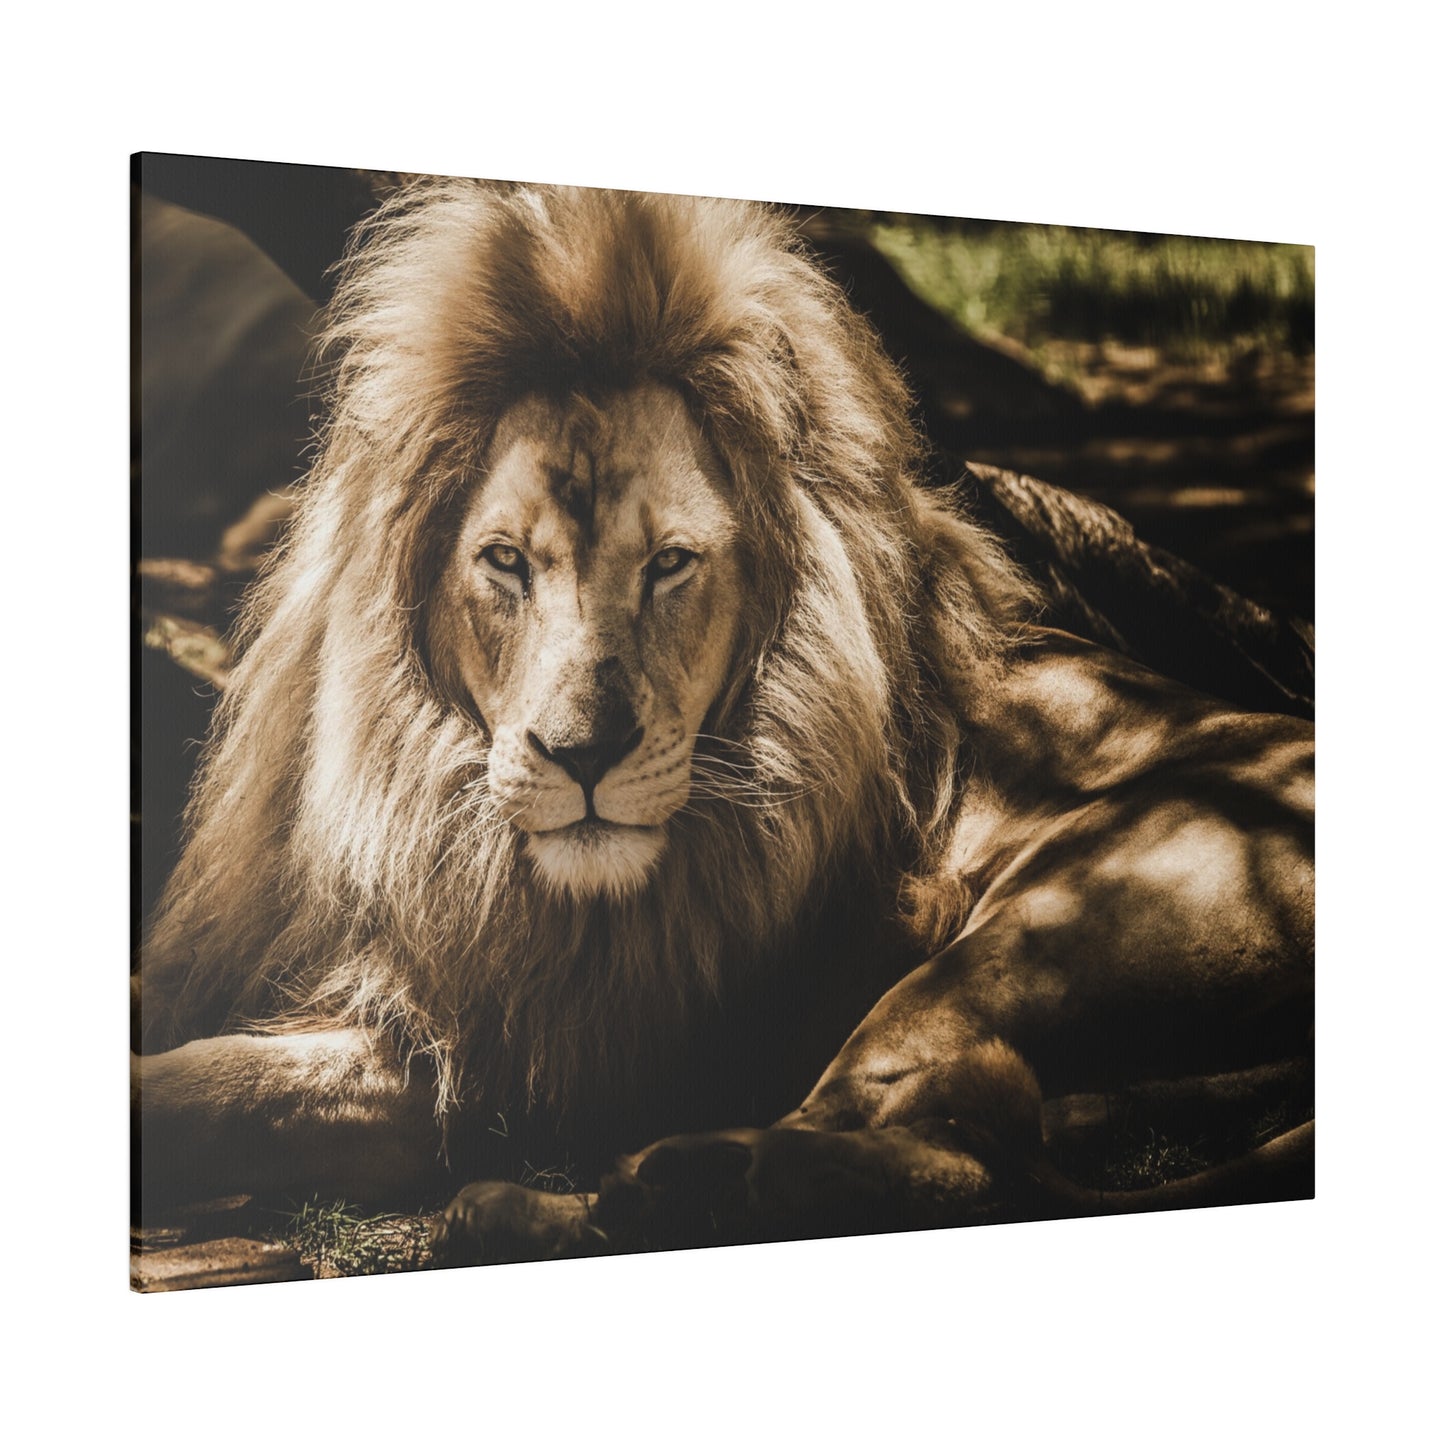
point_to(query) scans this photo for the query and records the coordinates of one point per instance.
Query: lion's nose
(588, 763)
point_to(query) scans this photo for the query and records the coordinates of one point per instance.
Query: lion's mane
(344, 864)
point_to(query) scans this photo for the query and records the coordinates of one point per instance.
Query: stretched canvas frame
(227, 393)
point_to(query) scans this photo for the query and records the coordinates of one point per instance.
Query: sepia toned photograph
(668, 722)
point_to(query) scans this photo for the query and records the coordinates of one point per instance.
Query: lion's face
(589, 609)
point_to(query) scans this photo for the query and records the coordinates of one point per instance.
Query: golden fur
(347, 863)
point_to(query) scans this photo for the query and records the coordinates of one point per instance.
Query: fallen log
(1103, 582)
(214, 1263)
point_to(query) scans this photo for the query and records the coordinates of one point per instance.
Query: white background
(1253, 120)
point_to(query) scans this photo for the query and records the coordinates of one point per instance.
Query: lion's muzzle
(586, 763)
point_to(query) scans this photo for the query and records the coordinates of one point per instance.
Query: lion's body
(620, 707)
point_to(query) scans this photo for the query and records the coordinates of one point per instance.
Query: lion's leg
(331, 1113)
(915, 1125)
(933, 1109)
(751, 1186)
(929, 1116)
(731, 1187)
(492, 1222)
(907, 1129)
(754, 1185)
(926, 1118)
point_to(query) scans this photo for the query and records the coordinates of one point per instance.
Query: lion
(627, 754)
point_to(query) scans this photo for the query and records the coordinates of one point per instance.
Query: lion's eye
(510, 560)
(668, 563)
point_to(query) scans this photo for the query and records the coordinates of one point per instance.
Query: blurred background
(1169, 377)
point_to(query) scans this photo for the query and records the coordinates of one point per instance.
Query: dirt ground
(1214, 462)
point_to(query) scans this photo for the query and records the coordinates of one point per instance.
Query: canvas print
(670, 722)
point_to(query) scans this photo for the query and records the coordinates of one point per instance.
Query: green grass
(1135, 1151)
(1153, 1160)
(1192, 298)
(335, 1238)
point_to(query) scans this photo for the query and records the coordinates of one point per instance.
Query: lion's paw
(740, 1186)
(689, 1190)
(754, 1185)
(496, 1223)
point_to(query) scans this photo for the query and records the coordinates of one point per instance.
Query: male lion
(624, 743)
